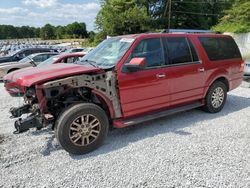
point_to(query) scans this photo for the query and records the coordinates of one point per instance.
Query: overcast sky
(57, 12)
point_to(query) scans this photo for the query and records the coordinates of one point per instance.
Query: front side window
(69, 60)
(178, 50)
(151, 50)
(76, 59)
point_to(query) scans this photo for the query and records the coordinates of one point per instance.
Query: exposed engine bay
(44, 103)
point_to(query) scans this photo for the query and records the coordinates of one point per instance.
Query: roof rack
(186, 31)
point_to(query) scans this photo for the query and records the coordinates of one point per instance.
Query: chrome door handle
(161, 75)
(201, 69)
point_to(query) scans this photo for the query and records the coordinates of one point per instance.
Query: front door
(145, 90)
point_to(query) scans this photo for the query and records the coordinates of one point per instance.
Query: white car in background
(247, 67)
(74, 50)
(29, 61)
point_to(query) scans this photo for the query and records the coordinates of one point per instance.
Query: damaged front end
(30, 108)
(45, 103)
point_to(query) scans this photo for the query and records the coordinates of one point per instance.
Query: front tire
(82, 128)
(216, 97)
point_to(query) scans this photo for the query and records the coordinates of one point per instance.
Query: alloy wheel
(84, 130)
(218, 97)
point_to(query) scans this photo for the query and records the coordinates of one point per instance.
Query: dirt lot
(191, 149)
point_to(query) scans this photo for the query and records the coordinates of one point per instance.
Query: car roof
(36, 49)
(141, 35)
(76, 48)
(71, 54)
(45, 53)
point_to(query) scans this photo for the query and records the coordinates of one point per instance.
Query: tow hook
(23, 125)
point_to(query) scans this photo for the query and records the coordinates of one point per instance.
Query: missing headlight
(30, 93)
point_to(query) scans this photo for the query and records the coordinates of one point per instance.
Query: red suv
(127, 80)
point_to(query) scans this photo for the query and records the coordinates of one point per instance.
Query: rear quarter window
(220, 48)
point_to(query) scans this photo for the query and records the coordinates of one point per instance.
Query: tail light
(241, 66)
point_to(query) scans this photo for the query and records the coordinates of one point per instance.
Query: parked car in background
(87, 50)
(63, 58)
(14, 89)
(29, 61)
(20, 54)
(247, 67)
(128, 80)
(74, 50)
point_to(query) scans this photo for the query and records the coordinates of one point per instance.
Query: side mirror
(136, 64)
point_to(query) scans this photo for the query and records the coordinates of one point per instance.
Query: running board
(144, 118)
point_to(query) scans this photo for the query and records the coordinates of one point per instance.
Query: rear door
(145, 90)
(185, 71)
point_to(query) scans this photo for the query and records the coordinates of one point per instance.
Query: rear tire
(82, 128)
(216, 97)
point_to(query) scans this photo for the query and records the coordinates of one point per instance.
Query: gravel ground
(192, 149)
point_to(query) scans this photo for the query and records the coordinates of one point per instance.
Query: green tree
(77, 30)
(237, 18)
(48, 32)
(37, 32)
(26, 32)
(185, 14)
(118, 17)
(60, 32)
(91, 36)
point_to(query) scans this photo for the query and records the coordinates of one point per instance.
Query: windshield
(49, 61)
(13, 53)
(108, 53)
(26, 59)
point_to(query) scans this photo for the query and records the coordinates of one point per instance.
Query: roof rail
(186, 31)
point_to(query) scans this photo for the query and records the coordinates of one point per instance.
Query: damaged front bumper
(33, 120)
(23, 125)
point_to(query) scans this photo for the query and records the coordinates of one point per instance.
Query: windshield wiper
(93, 63)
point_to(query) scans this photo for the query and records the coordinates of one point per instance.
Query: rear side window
(220, 48)
(178, 50)
(70, 60)
(76, 59)
(193, 51)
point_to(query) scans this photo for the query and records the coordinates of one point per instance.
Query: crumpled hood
(35, 75)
